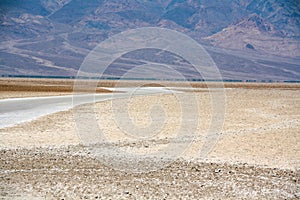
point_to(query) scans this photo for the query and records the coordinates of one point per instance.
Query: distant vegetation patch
(250, 46)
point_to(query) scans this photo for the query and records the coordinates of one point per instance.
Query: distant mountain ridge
(53, 36)
(257, 34)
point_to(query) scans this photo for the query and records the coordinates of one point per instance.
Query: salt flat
(255, 157)
(17, 110)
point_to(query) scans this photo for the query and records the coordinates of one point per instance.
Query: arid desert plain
(255, 156)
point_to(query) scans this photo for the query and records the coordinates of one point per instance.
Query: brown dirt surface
(21, 87)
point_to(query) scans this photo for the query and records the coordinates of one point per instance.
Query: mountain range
(248, 39)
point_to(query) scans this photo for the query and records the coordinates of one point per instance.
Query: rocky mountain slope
(256, 34)
(248, 39)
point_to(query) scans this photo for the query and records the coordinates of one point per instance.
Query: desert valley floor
(256, 155)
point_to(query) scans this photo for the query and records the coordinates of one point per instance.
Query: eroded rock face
(54, 5)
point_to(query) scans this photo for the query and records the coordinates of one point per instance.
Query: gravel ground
(70, 173)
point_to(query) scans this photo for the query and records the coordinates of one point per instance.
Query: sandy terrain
(256, 156)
